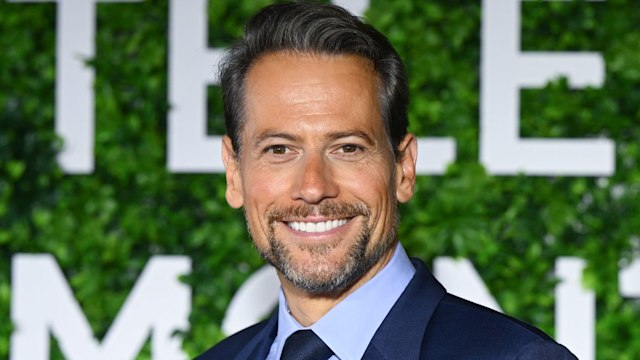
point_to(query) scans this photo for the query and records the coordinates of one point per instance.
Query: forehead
(305, 89)
(288, 64)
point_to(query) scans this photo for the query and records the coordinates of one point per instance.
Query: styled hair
(314, 28)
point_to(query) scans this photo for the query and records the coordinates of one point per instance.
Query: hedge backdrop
(103, 227)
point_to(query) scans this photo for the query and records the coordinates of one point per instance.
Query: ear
(234, 193)
(406, 168)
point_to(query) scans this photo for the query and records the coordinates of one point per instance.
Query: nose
(314, 180)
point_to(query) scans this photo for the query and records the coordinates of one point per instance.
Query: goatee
(322, 276)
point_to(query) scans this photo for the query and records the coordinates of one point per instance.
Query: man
(318, 155)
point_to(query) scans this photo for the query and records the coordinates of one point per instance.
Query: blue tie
(305, 345)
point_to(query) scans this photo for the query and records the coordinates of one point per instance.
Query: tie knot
(305, 345)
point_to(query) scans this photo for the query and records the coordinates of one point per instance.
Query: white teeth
(316, 227)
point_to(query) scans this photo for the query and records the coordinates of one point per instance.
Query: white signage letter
(75, 123)
(42, 302)
(356, 7)
(505, 70)
(575, 309)
(256, 298)
(629, 280)
(192, 67)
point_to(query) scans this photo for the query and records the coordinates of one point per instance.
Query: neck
(308, 308)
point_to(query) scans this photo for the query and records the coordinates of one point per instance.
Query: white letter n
(42, 303)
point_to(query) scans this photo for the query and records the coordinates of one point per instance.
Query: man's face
(316, 174)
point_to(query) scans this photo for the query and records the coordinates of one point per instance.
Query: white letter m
(42, 303)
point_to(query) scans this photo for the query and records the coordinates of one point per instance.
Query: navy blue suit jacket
(425, 323)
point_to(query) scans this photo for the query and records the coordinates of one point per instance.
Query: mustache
(327, 209)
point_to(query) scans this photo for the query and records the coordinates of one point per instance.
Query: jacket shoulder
(234, 344)
(461, 328)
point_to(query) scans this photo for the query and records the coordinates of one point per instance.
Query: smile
(316, 227)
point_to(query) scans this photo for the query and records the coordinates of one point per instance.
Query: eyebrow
(268, 134)
(349, 133)
(333, 136)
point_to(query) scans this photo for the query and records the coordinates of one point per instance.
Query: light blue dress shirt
(349, 327)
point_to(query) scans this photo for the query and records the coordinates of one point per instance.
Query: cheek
(263, 183)
(371, 186)
(264, 189)
(372, 176)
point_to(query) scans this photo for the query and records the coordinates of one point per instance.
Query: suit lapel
(259, 346)
(401, 333)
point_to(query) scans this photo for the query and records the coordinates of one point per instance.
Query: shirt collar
(349, 327)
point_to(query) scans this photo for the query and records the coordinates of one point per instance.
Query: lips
(316, 227)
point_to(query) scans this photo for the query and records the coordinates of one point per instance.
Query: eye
(350, 148)
(277, 149)
(350, 152)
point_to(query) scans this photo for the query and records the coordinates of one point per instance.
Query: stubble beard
(322, 276)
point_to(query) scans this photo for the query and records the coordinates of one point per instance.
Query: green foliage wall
(103, 227)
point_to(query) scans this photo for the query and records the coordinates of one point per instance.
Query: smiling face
(316, 174)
